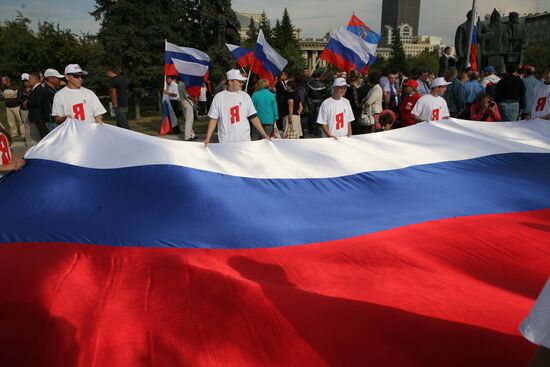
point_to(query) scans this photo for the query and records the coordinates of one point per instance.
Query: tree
(265, 26)
(252, 35)
(398, 60)
(285, 41)
(426, 59)
(537, 56)
(219, 25)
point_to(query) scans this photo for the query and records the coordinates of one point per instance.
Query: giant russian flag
(267, 63)
(356, 26)
(348, 51)
(422, 246)
(190, 64)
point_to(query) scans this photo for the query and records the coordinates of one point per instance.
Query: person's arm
(349, 129)
(113, 97)
(211, 126)
(290, 103)
(60, 119)
(324, 127)
(275, 109)
(495, 112)
(418, 118)
(300, 108)
(99, 119)
(258, 125)
(16, 164)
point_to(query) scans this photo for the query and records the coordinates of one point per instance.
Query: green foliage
(265, 26)
(537, 56)
(398, 60)
(285, 42)
(427, 59)
(49, 47)
(252, 35)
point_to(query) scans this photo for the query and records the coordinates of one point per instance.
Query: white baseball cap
(235, 74)
(25, 76)
(439, 82)
(74, 69)
(340, 82)
(52, 72)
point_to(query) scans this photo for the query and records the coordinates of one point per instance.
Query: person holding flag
(230, 112)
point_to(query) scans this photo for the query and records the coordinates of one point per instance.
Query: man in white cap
(75, 101)
(23, 96)
(335, 115)
(53, 80)
(231, 110)
(432, 107)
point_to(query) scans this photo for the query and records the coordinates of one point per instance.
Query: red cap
(411, 82)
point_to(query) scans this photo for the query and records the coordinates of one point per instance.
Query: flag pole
(470, 35)
(316, 63)
(247, 80)
(165, 42)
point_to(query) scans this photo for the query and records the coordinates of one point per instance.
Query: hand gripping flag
(347, 51)
(356, 26)
(267, 63)
(243, 55)
(190, 64)
(169, 119)
(422, 246)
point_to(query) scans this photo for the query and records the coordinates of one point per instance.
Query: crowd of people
(320, 104)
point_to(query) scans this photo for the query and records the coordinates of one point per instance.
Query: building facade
(412, 45)
(396, 12)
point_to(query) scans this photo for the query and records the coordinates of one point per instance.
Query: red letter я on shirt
(78, 111)
(339, 121)
(235, 115)
(435, 114)
(540, 104)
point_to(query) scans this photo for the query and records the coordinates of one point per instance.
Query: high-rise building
(396, 12)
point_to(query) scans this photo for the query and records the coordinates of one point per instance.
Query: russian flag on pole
(169, 119)
(348, 51)
(356, 26)
(473, 49)
(423, 246)
(267, 63)
(190, 64)
(243, 55)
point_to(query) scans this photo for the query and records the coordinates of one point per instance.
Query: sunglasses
(77, 76)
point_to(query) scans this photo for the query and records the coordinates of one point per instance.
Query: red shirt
(406, 108)
(477, 115)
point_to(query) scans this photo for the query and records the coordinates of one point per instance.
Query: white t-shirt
(232, 110)
(336, 114)
(173, 88)
(202, 96)
(80, 103)
(430, 108)
(541, 101)
(536, 327)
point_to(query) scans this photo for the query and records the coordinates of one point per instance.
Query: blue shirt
(472, 88)
(266, 106)
(530, 84)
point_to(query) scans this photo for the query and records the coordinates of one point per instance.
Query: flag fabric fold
(244, 56)
(169, 119)
(190, 64)
(267, 63)
(348, 51)
(356, 26)
(422, 246)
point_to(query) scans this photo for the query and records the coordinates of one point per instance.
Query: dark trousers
(121, 117)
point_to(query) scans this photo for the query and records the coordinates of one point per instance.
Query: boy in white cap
(75, 101)
(335, 115)
(231, 110)
(432, 107)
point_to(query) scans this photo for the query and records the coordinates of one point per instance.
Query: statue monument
(496, 46)
(517, 40)
(462, 40)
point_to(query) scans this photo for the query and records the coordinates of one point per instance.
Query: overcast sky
(314, 17)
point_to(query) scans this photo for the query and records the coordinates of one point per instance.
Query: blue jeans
(509, 110)
(121, 118)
